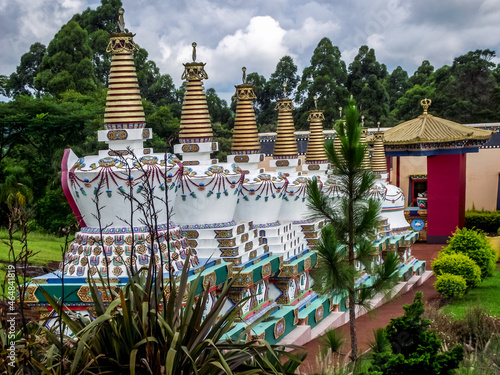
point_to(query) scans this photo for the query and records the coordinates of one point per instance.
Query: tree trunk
(352, 326)
(352, 295)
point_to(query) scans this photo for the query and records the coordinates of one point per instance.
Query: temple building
(240, 219)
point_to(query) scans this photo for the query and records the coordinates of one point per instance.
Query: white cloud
(256, 34)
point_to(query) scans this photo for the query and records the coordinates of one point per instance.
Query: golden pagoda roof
(123, 102)
(245, 136)
(316, 153)
(195, 119)
(285, 145)
(430, 129)
(379, 161)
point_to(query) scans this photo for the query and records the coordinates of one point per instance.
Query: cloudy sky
(257, 33)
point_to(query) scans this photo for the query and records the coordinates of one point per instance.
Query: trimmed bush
(476, 246)
(488, 221)
(458, 264)
(450, 286)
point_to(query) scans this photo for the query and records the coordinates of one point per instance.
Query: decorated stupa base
(237, 244)
(286, 165)
(235, 220)
(197, 153)
(316, 168)
(112, 251)
(248, 163)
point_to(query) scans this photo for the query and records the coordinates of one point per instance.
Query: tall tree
(99, 23)
(325, 78)
(286, 72)
(67, 64)
(475, 84)
(21, 82)
(408, 106)
(422, 73)
(346, 241)
(365, 82)
(396, 85)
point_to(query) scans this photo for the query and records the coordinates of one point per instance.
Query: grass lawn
(47, 246)
(486, 294)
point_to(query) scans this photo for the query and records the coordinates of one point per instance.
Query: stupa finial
(284, 89)
(315, 98)
(425, 103)
(121, 20)
(340, 112)
(363, 120)
(194, 51)
(378, 126)
(244, 70)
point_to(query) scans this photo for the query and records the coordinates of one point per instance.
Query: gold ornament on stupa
(379, 161)
(315, 153)
(245, 136)
(285, 146)
(123, 103)
(195, 119)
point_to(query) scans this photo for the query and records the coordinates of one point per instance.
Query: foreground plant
(146, 331)
(410, 348)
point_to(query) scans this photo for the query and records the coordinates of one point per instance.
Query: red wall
(445, 196)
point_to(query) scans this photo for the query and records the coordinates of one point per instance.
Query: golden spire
(285, 145)
(245, 136)
(195, 119)
(364, 134)
(425, 103)
(316, 145)
(379, 161)
(123, 103)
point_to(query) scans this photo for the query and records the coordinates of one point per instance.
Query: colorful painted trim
(267, 225)
(209, 226)
(138, 125)
(143, 229)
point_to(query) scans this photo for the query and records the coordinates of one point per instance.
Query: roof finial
(284, 89)
(244, 75)
(378, 126)
(315, 98)
(121, 21)
(363, 120)
(425, 103)
(194, 51)
(340, 111)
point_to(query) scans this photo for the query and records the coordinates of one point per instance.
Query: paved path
(381, 316)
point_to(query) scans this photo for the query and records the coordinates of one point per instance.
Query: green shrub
(488, 221)
(458, 264)
(475, 245)
(413, 348)
(450, 286)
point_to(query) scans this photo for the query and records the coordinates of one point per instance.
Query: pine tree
(411, 349)
(352, 220)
